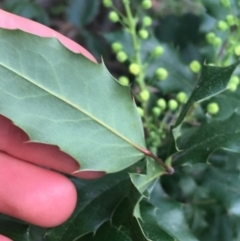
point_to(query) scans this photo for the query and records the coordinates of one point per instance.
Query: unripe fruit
(237, 50)
(182, 97)
(230, 20)
(121, 56)
(156, 111)
(217, 42)
(144, 95)
(123, 80)
(113, 16)
(172, 105)
(234, 80)
(157, 52)
(116, 47)
(161, 73)
(232, 87)
(225, 3)
(140, 111)
(147, 21)
(195, 66)
(143, 33)
(213, 108)
(210, 37)
(134, 69)
(107, 3)
(162, 103)
(222, 25)
(146, 4)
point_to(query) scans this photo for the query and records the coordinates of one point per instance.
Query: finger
(16, 142)
(34, 194)
(12, 21)
(3, 238)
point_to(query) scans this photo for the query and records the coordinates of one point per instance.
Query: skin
(31, 187)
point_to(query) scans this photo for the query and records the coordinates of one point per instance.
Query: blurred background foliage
(209, 194)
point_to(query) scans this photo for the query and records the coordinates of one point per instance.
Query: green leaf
(142, 181)
(97, 200)
(213, 81)
(61, 98)
(82, 12)
(208, 138)
(170, 216)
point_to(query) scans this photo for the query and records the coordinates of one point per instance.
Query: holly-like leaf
(59, 97)
(208, 138)
(142, 181)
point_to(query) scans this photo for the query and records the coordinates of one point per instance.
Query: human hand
(29, 188)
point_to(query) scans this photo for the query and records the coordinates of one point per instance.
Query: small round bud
(234, 80)
(143, 33)
(134, 68)
(121, 56)
(237, 50)
(156, 111)
(182, 97)
(225, 3)
(157, 52)
(140, 111)
(113, 16)
(210, 37)
(123, 80)
(146, 4)
(161, 73)
(217, 42)
(144, 95)
(107, 3)
(172, 105)
(195, 66)
(230, 20)
(147, 21)
(162, 103)
(213, 108)
(116, 47)
(232, 87)
(222, 25)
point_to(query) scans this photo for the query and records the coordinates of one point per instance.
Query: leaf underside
(61, 98)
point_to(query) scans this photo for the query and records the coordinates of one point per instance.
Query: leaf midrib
(74, 106)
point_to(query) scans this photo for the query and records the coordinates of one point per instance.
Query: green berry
(213, 108)
(116, 47)
(147, 21)
(107, 3)
(182, 97)
(195, 66)
(121, 56)
(234, 80)
(113, 16)
(217, 42)
(172, 105)
(232, 87)
(162, 103)
(222, 25)
(146, 4)
(225, 3)
(237, 50)
(123, 80)
(210, 37)
(143, 33)
(161, 73)
(157, 52)
(140, 111)
(230, 20)
(156, 111)
(144, 95)
(134, 69)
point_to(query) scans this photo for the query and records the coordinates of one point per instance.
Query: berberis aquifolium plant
(164, 130)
